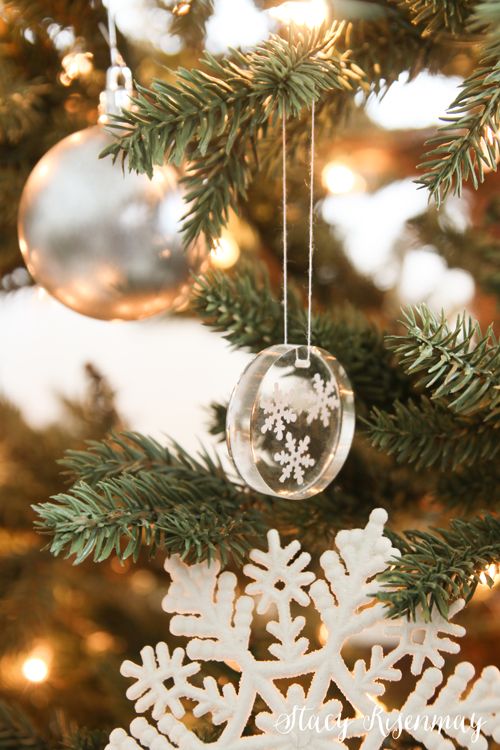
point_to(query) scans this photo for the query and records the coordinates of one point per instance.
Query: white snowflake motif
(216, 621)
(279, 413)
(324, 401)
(295, 458)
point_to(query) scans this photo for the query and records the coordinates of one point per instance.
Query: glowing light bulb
(339, 178)
(35, 669)
(310, 13)
(76, 65)
(491, 571)
(323, 634)
(225, 252)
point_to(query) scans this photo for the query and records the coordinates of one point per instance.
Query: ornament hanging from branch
(104, 242)
(290, 420)
(218, 624)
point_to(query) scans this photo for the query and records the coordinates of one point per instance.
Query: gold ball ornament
(104, 242)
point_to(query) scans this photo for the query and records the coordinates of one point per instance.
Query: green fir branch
(217, 424)
(437, 568)
(17, 732)
(184, 506)
(244, 308)
(440, 16)
(426, 435)
(468, 144)
(216, 114)
(474, 487)
(190, 25)
(129, 453)
(459, 367)
(21, 104)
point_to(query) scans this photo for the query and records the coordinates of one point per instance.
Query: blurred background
(65, 377)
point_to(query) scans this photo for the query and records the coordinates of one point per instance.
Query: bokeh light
(35, 669)
(339, 178)
(310, 13)
(225, 252)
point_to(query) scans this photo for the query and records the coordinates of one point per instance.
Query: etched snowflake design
(279, 413)
(294, 458)
(324, 401)
(217, 623)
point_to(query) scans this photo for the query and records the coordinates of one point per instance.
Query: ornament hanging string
(311, 233)
(109, 34)
(285, 236)
(299, 362)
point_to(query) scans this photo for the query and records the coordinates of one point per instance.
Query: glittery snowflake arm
(208, 611)
(279, 578)
(457, 716)
(362, 553)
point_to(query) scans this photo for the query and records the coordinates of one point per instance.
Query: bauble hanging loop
(289, 427)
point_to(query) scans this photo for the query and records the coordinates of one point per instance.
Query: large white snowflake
(324, 401)
(218, 623)
(279, 413)
(294, 458)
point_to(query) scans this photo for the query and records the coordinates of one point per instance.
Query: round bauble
(290, 421)
(103, 241)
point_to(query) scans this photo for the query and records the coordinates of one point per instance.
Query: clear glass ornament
(102, 241)
(290, 421)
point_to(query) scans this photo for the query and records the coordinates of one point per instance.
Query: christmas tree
(425, 381)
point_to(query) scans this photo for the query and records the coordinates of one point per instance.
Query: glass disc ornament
(290, 426)
(102, 241)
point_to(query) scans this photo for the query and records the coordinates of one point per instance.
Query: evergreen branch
(189, 19)
(218, 414)
(17, 731)
(128, 453)
(468, 144)
(438, 16)
(437, 568)
(215, 115)
(460, 366)
(243, 307)
(426, 435)
(476, 487)
(21, 104)
(184, 506)
(83, 739)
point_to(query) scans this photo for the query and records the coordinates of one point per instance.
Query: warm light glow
(491, 571)
(339, 178)
(309, 13)
(225, 253)
(491, 142)
(76, 65)
(181, 9)
(323, 634)
(35, 669)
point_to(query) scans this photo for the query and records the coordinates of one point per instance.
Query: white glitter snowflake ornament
(303, 696)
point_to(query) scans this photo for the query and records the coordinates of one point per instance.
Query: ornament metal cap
(118, 93)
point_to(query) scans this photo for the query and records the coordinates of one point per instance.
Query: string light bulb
(225, 252)
(490, 572)
(338, 178)
(76, 65)
(35, 669)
